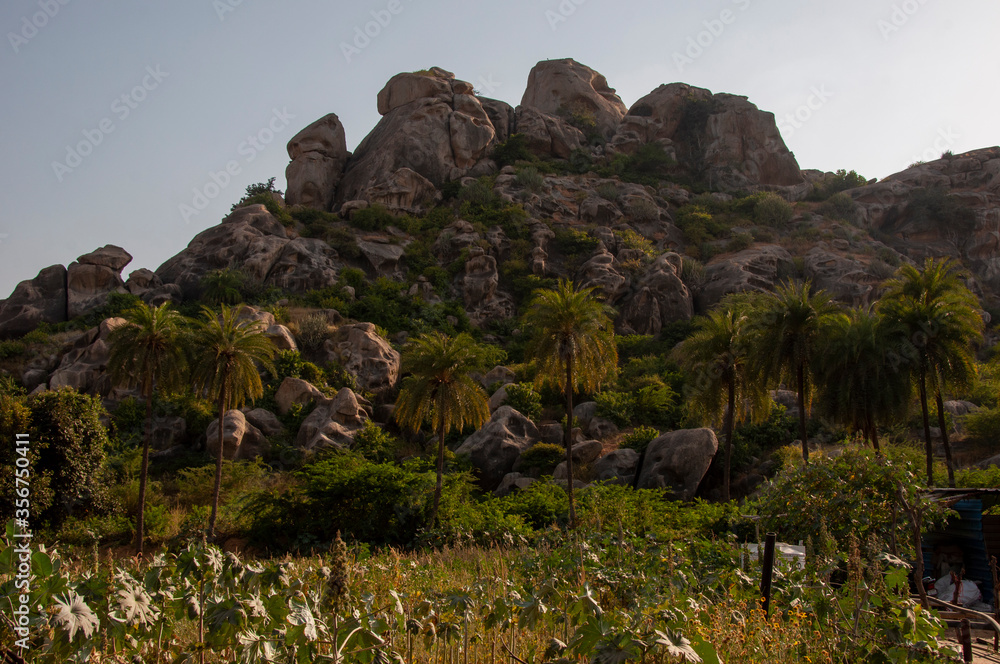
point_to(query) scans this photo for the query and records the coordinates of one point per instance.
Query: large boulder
(677, 461)
(333, 423)
(601, 274)
(240, 439)
(758, 269)
(296, 391)
(616, 467)
(661, 298)
(432, 124)
(568, 89)
(497, 445)
(318, 154)
(841, 276)
(93, 277)
(252, 239)
(34, 301)
(84, 366)
(365, 355)
(547, 135)
(721, 137)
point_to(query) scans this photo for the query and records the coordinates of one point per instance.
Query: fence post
(765, 581)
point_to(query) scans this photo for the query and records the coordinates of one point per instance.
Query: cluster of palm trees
(158, 349)
(863, 363)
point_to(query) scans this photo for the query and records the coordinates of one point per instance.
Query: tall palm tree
(789, 325)
(942, 321)
(147, 351)
(571, 336)
(716, 358)
(440, 389)
(861, 380)
(227, 351)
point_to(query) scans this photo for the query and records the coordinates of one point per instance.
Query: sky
(120, 118)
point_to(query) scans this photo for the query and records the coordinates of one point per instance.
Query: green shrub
(195, 486)
(9, 349)
(835, 183)
(840, 206)
(572, 243)
(529, 178)
(540, 505)
(544, 457)
(692, 272)
(641, 209)
(314, 330)
(375, 443)
(739, 242)
(608, 191)
(632, 240)
(223, 286)
(984, 425)
(523, 398)
(773, 210)
(639, 438)
(936, 206)
(760, 440)
(619, 407)
(481, 205)
(511, 151)
(372, 218)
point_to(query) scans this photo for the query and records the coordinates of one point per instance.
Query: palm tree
(789, 325)
(942, 321)
(147, 351)
(715, 357)
(571, 336)
(859, 374)
(227, 352)
(440, 389)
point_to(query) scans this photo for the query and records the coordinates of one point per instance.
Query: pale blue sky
(882, 96)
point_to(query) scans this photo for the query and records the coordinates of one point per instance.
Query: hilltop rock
(432, 124)
(678, 461)
(34, 301)
(319, 154)
(365, 355)
(93, 277)
(497, 445)
(722, 137)
(566, 88)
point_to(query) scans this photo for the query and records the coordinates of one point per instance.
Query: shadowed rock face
(947, 207)
(567, 89)
(318, 154)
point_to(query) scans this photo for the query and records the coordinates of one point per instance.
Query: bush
(984, 425)
(608, 191)
(529, 178)
(375, 443)
(9, 349)
(641, 209)
(619, 407)
(936, 206)
(639, 438)
(544, 457)
(540, 505)
(523, 398)
(739, 242)
(372, 218)
(313, 332)
(511, 151)
(773, 210)
(840, 206)
(835, 183)
(223, 286)
(692, 272)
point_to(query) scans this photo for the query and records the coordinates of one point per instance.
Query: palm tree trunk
(440, 471)
(218, 464)
(568, 441)
(730, 416)
(803, 434)
(873, 428)
(140, 520)
(927, 429)
(944, 439)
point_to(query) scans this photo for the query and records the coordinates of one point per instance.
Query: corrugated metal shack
(967, 540)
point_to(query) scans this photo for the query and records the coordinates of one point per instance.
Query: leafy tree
(859, 374)
(441, 390)
(573, 342)
(716, 357)
(227, 351)
(941, 318)
(223, 286)
(147, 351)
(789, 325)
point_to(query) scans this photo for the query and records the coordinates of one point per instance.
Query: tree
(942, 322)
(227, 350)
(859, 373)
(716, 358)
(789, 324)
(571, 337)
(440, 389)
(147, 351)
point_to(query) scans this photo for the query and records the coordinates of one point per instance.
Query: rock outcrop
(240, 439)
(568, 89)
(84, 366)
(334, 422)
(677, 461)
(497, 445)
(365, 355)
(93, 277)
(661, 298)
(757, 269)
(35, 301)
(617, 467)
(319, 154)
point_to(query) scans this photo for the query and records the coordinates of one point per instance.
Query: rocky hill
(456, 206)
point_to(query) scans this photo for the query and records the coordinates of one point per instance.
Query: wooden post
(966, 640)
(765, 581)
(996, 600)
